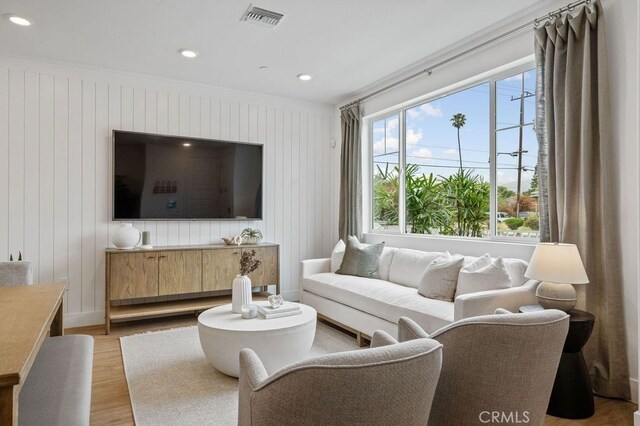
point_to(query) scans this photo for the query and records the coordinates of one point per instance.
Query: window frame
(400, 111)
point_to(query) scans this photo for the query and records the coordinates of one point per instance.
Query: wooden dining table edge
(11, 384)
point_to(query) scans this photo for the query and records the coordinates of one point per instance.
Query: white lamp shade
(557, 263)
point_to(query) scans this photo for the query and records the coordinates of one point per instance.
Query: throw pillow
(473, 279)
(336, 255)
(360, 260)
(440, 278)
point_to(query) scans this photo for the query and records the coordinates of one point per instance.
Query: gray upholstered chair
(391, 383)
(503, 364)
(15, 273)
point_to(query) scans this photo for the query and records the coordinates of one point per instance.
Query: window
(386, 164)
(444, 167)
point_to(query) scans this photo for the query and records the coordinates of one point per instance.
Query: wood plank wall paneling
(56, 168)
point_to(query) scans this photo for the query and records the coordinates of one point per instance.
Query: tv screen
(173, 177)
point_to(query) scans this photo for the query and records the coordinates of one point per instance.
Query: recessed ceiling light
(186, 144)
(18, 20)
(188, 53)
(304, 77)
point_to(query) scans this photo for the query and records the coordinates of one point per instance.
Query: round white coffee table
(278, 342)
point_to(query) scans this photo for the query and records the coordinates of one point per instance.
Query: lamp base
(556, 296)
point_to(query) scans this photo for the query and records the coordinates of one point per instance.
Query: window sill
(460, 245)
(488, 240)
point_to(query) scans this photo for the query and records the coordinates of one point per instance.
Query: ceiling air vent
(261, 16)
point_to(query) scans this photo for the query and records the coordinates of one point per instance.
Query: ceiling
(344, 44)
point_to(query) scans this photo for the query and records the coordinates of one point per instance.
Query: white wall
(55, 171)
(622, 37)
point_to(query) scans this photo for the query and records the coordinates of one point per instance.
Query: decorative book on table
(267, 312)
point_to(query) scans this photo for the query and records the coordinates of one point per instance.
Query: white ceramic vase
(126, 236)
(240, 293)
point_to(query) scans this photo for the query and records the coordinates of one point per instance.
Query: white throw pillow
(336, 255)
(440, 278)
(516, 269)
(408, 266)
(476, 263)
(385, 262)
(478, 276)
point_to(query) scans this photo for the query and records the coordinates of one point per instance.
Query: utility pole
(524, 94)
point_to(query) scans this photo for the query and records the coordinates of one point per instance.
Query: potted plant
(241, 289)
(251, 236)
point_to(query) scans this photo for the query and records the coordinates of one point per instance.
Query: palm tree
(459, 120)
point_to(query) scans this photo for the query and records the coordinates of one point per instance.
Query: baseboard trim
(634, 390)
(83, 319)
(636, 418)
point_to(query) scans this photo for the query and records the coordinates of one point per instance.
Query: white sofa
(365, 305)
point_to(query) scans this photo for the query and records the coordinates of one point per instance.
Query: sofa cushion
(381, 298)
(408, 266)
(440, 278)
(360, 260)
(386, 258)
(515, 268)
(336, 255)
(482, 275)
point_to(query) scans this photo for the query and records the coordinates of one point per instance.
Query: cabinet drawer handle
(151, 257)
(160, 257)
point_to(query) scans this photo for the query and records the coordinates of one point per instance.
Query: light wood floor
(110, 399)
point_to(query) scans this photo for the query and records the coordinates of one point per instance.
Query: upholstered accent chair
(390, 383)
(15, 273)
(503, 364)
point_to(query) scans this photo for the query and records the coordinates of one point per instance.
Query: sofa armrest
(252, 375)
(410, 330)
(382, 338)
(315, 266)
(486, 302)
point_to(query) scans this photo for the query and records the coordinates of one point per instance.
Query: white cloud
(450, 152)
(431, 111)
(423, 153)
(425, 110)
(413, 137)
(379, 147)
(517, 77)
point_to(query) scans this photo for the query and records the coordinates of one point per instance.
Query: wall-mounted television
(158, 177)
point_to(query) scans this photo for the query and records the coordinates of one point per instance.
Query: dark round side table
(572, 395)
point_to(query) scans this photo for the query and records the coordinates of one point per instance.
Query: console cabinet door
(219, 268)
(133, 275)
(180, 272)
(268, 272)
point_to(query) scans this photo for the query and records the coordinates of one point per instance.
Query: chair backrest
(498, 365)
(387, 385)
(15, 273)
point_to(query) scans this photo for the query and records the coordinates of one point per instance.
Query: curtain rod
(428, 70)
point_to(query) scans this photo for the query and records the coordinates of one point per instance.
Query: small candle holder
(249, 311)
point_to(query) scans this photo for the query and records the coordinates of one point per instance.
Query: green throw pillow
(359, 260)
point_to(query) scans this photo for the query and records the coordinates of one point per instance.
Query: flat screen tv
(159, 177)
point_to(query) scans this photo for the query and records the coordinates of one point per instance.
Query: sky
(432, 140)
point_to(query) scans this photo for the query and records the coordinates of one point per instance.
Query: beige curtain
(577, 189)
(350, 214)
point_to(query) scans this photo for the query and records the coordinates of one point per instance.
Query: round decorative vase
(251, 240)
(126, 236)
(240, 293)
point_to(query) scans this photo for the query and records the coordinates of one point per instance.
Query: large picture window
(463, 164)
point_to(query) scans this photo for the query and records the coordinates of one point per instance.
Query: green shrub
(532, 221)
(514, 223)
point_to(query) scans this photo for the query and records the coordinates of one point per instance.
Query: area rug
(172, 383)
